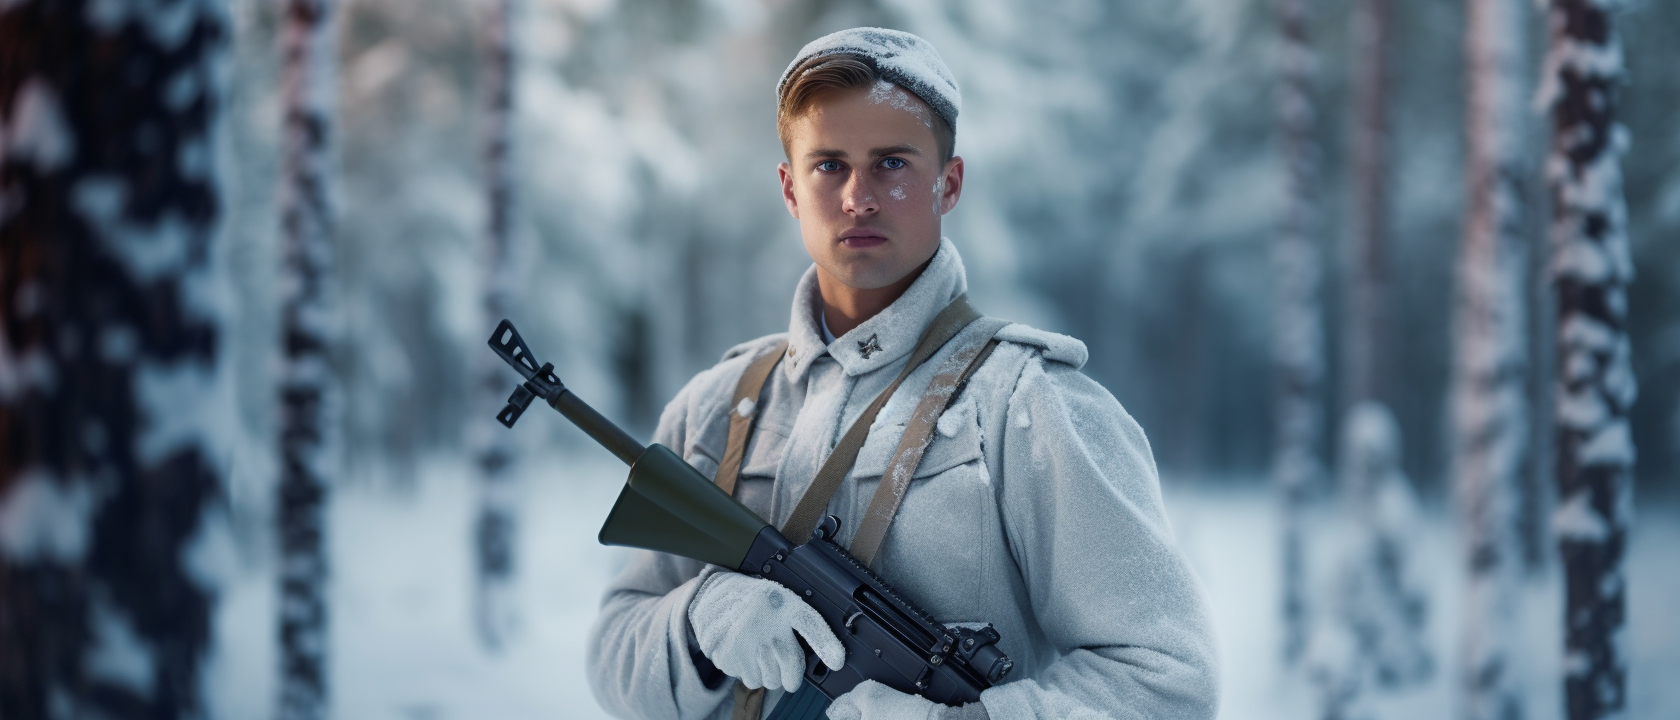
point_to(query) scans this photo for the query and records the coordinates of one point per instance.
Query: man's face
(865, 182)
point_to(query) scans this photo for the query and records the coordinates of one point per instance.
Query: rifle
(668, 506)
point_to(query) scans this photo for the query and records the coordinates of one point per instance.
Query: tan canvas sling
(743, 412)
(974, 345)
(958, 322)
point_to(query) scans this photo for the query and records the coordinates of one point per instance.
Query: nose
(858, 198)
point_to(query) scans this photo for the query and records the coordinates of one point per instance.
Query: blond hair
(843, 71)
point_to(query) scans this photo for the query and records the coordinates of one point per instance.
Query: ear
(785, 173)
(953, 179)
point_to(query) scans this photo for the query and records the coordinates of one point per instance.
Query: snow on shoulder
(901, 58)
(1052, 346)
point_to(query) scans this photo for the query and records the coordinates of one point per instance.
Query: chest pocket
(956, 442)
(935, 547)
(756, 486)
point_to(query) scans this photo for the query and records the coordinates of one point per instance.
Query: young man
(1035, 506)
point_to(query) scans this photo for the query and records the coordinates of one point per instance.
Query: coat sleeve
(639, 662)
(1084, 520)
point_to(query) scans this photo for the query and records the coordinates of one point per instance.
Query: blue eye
(893, 163)
(829, 166)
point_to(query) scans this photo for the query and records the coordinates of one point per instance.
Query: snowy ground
(403, 647)
(1231, 538)
(403, 643)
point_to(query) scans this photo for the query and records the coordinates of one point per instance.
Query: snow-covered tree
(494, 532)
(308, 386)
(1373, 638)
(1298, 336)
(1490, 361)
(1379, 592)
(111, 423)
(1591, 266)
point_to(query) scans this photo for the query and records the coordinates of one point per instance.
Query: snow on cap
(902, 59)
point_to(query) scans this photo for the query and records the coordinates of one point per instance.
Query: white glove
(745, 625)
(871, 700)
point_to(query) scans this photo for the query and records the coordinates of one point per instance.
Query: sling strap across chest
(974, 344)
(958, 323)
(743, 411)
(809, 510)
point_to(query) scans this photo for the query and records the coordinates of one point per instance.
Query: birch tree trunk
(109, 340)
(310, 401)
(1298, 333)
(1490, 362)
(495, 530)
(1591, 267)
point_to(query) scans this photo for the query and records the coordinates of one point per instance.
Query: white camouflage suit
(1036, 508)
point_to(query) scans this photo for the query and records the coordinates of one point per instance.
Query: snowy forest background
(1125, 186)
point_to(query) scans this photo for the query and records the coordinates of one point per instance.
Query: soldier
(1027, 497)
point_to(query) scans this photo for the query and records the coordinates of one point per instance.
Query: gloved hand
(871, 700)
(746, 626)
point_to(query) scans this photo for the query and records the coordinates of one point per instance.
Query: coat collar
(881, 340)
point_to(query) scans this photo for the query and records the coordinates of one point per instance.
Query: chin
(860, 277)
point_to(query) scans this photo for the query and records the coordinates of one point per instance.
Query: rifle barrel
(598, 427)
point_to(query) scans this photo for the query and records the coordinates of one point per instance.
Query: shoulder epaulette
(1052, 346)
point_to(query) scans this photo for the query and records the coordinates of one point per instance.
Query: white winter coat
(1036, 508)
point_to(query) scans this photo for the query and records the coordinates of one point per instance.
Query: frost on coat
(1590, 270)
(1036, 508)
(110, 336)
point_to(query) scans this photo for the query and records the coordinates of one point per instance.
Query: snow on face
(899, 99)
(855, 163)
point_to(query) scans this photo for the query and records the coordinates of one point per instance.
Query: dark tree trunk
(495, 530)
(309, 393)
(108, 352)
(1298, 333)
(1591, 269)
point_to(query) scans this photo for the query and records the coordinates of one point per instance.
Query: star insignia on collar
(869, 347)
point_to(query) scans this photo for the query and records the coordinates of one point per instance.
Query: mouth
(858, 238)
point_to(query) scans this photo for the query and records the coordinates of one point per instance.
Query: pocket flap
(956, 441)
(764, 452)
